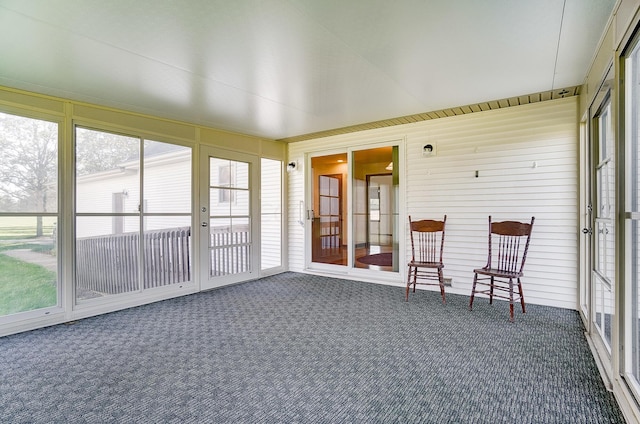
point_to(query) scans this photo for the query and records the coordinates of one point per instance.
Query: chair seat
(498, 273)
(437, 265)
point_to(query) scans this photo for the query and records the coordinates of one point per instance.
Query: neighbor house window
(226, 179)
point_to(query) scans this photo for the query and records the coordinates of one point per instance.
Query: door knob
(587, 231)
(204, 224)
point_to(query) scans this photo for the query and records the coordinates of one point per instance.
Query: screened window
(632, 224)
(133, 214)
(271, 217)
(29, 215)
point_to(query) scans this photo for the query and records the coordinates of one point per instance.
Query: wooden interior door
(327, 226)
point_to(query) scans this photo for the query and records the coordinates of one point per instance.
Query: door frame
(585, 220)
(604, 355)
(309, 213)
(203, 216)
(350, 269)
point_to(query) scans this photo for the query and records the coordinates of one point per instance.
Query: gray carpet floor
(297, 348)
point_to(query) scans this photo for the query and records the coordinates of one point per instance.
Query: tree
(28, 165)
(98, 151)
(29, 161)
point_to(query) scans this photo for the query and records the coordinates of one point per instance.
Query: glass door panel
(604, 240)
(329, 226)
(586, 223)
(228, 230)
(375, 184)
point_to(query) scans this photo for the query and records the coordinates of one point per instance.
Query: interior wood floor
(361, 252)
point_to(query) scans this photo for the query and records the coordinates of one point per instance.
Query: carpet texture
(297, 348)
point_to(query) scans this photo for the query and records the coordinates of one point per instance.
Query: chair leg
(491, 292)
(510, 299)
(415, 278)
(473, 291)
(441, 280)
(521, 295)
(408, 285)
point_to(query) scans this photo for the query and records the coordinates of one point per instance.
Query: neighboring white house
(116, 193)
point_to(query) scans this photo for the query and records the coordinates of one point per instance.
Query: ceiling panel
(284, 68)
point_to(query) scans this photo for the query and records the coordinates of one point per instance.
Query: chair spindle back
(427, 240)
(508, 245)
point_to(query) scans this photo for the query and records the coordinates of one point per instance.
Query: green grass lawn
(24, 227)
(24, 286)
(36, 247)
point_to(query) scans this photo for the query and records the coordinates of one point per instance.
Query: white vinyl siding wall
(527, 164)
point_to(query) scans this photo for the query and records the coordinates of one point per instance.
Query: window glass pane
(28, 263)
(230, 246)
(271, 206)
(220, 201)
(335, 206)
(375, 176)
(167, 178)
(632, 310)
(113, 253)
(219, 226)
(271, 241)
(334, 186)
(604, 277)
(167, 250)
(241, 177)
(240, 205)
(329, 241)
(271, 186)
(604, 309)
(106, 263)
(635, 298)
(219, 172)
(323, 186)
(107, 165)
(28, 185)
(28, 164)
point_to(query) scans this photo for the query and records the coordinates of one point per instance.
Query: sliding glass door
(354, 206)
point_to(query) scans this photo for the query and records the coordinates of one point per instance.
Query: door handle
(204, 224)
(587, 231)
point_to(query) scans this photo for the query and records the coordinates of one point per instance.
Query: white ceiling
(282, 68)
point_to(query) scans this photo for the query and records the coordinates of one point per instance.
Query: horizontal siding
(527, 163)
